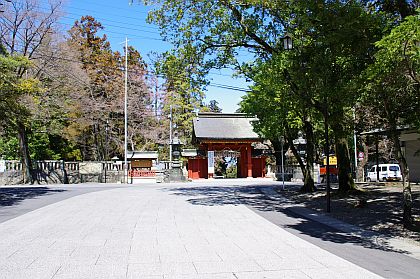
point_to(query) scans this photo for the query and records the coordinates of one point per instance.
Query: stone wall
(59, 172)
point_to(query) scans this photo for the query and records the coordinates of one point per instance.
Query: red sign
(361, 155)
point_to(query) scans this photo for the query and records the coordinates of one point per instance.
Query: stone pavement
(156, 232)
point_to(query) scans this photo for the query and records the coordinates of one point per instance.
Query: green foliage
(9, 148)
(232, 171)
(392, 89)
(99, 106)
(220, 166)
(183, 83)
(13, 88)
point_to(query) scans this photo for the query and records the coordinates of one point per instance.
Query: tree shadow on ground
(254, 197)
(376, 207)
(222, 195)
(13, 195)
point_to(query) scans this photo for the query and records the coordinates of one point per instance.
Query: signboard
(2, 165)
(333, 160)
(90, 168)
(142, 163)
(361, 155)
(210, 161)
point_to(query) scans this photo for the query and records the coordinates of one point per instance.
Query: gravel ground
(377, 207)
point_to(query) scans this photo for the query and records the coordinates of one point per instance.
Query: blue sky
(123, 20)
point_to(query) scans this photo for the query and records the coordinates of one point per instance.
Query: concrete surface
(159, 231)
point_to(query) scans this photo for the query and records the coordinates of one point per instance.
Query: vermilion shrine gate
(227, 135)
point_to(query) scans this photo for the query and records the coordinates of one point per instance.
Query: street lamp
(287, 42)
(288, 45)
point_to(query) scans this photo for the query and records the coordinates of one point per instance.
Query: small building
(410, 141)
(142, 165)
(228, 135)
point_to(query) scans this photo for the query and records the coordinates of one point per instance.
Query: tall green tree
(392, 91)
(99, 107)
(333, 44)
(24, 30)
(14, 115)
(183, 90)
(281, 115)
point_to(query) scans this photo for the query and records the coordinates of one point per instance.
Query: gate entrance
(228, 136)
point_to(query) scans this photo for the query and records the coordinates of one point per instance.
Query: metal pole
(106, 147)
(125, 113)
(355, 146)
(377, 158)
(327, 152)
(156, 97)
(170, 137)
(282, 161)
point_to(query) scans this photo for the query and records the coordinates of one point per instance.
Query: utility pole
(170, 137)
(156, 97)
(106, 147)
(125, 113)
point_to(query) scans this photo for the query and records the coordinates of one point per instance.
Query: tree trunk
(407, 197)
(277, 150)
(308, 183)
(345, 179)
(27, 170)
(362, 163)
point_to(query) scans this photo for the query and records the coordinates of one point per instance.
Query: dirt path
(378, 207)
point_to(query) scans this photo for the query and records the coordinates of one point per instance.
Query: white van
(387, 172)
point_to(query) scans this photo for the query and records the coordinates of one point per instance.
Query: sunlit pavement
(160, 231)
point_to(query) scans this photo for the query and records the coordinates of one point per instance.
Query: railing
(13, 165)
(166, 165)
(52, 165)
(74, 166)
(288, 169)
(114, 166)
(48, 165)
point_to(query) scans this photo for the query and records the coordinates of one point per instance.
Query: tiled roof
(226, 126)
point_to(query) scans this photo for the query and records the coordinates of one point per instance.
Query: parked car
(387, 172)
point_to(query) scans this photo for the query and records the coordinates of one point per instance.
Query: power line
(119, 33)
(115, 68)
(43, 9)
(117, 26)
(104, 5)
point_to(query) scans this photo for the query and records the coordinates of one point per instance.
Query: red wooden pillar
(243, 161)
(249, 160)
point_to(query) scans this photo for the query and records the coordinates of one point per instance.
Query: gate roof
(236, 127)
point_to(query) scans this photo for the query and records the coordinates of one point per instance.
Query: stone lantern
(176, 151)
(175, 173)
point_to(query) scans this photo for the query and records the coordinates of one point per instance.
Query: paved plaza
(158, 231)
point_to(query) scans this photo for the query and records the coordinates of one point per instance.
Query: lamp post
(282, 161)
(327, 152)
(288, 45)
